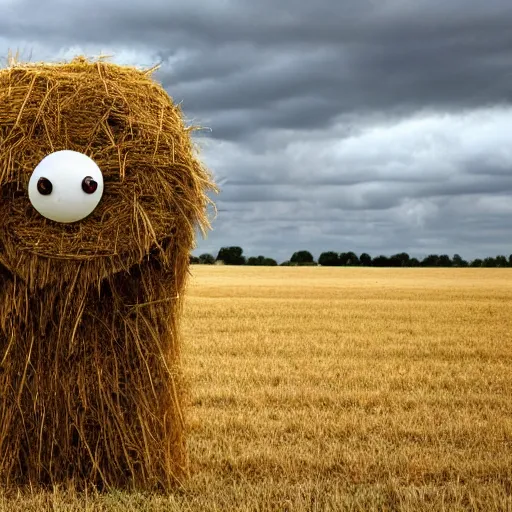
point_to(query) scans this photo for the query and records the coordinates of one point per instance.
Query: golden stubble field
(339, 389)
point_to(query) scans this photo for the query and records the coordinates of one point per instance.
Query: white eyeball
(66, 186)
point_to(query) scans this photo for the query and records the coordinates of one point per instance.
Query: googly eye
(44, 186)
(89, 186)
(66, 186)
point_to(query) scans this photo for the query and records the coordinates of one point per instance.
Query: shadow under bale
(90, 382)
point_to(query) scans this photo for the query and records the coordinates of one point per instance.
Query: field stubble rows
(342, 388)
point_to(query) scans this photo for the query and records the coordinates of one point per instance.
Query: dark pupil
(44, 186)
(89, 185)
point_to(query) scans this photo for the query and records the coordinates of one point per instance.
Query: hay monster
(101, 194)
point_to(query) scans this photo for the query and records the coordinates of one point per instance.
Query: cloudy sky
(346, 125)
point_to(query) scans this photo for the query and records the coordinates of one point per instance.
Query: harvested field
(342, 388)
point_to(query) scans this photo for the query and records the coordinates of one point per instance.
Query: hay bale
(90, 382)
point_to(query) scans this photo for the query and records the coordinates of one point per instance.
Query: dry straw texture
(90, 380)
(337, 389)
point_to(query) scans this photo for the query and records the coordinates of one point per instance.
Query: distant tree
(380, 261)
(206, 259)
(457, 261)
(285, 263)
(261, 261)
(501, 261)
(255, 261)
(231, 256)
(476, 263)
(414, 262)
(394, 261)
(344, 258)
(365, 259)
(489, 262)
(510, 261)
(404, 259)
(432, 260)
(399, 260)
(194, 259)
(444, 261)
(352, 259)
(329, 259)
(302, 257)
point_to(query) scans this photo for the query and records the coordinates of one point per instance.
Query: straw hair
(91, 389)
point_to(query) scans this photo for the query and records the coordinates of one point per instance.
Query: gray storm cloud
(336, 125)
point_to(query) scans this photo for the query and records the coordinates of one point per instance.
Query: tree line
(234, 256)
